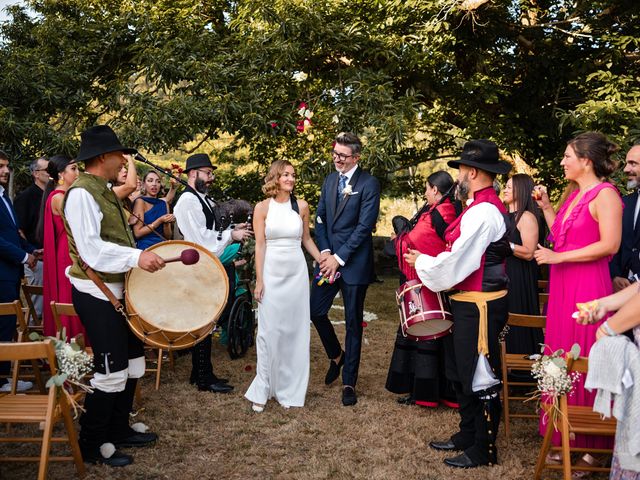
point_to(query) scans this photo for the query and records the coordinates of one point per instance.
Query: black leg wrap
(123, 406)
(95, 421)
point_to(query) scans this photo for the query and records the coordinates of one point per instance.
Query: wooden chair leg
(564, 434)
(138, 395)
(544, 450)
(37, 373)
(158, 369)
(46, 436)
(72, 437)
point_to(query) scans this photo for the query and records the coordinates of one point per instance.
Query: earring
(60, 182)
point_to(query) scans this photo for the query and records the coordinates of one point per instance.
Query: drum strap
(480, 299)
(103, 288)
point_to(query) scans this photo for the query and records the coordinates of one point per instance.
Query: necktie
(7, 202)
(341, 186)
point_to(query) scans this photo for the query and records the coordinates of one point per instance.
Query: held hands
(31, 261)
(150, 262)
(328, 266)
(547, 256)
(38, 253)
(411, 256)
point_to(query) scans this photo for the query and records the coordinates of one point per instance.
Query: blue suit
(13, 249)
(628, 256)
(344, 224)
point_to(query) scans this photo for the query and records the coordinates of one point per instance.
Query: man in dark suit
(625, 265)
(14, 252)
(347, 213)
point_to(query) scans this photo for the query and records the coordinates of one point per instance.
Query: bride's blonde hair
(270, 187)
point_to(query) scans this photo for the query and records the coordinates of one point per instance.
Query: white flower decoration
(335, 119)
(347, 190)
(300, 76)
(308, 114)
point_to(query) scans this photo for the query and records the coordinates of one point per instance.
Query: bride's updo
(270, 187)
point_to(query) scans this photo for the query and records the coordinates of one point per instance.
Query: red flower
(302, 105)
(300, 126)
(364, 324)
(247, 368)
(274, 124)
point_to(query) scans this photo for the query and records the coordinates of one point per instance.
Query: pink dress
(574, 282)
(57, 287)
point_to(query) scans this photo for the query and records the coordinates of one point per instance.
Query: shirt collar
(350, 173)
(1, 190)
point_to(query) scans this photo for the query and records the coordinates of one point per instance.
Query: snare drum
(176, 307)
(424, 315)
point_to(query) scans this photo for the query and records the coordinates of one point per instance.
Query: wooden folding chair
(33, 320)
(543, 286)
(543, 300)
(516, 361)
(45, 409)
(574, 419)
(22, 336)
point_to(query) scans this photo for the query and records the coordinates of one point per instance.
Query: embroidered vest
(492, 275)
(113, 226)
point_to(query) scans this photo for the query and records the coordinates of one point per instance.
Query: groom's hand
(329, 266)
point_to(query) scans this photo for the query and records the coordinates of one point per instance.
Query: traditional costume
(195, 218)
(474, 267)
(101, 243)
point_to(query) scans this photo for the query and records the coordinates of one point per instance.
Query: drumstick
(188, 257)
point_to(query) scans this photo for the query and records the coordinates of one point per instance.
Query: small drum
(178, 306)
(424, 315)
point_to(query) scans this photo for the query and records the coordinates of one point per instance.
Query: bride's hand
(258, 292)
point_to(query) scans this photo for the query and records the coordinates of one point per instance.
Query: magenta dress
(570, 283)
(57, 287)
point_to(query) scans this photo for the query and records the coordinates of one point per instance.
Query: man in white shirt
(101, 242)
(195, 218)
(474, 266)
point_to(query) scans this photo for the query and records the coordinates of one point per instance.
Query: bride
(281, 224)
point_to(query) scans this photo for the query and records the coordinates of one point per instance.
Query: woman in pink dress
(585, 233)
(62, 172)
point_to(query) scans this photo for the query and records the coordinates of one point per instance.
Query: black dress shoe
(408, 400)
(216, 388)
(334, 370)
(446, 446)
(349, 396)
(461, 461)
(118, 459)
(137, 440)
(193, 379)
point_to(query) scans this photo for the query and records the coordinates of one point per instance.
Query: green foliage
(414, 78)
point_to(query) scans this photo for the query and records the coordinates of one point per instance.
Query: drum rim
(202, 250)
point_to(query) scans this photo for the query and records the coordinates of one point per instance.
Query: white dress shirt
(478, 228)
(84, 216)
(193, 224)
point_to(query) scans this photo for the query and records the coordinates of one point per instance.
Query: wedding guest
(521, 266)
(153, 217)
(417, 368)
(281, 226)
(585, 233)
(62, 172)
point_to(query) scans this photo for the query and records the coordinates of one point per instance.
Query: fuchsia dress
(57, 287)
(573, 282)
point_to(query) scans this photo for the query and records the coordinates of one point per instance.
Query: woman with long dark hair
(417, 367)
(153, 217)
(56, 286)
(521, 266)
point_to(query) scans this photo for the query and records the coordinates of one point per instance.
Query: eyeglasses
(341, 156)
(210, 174)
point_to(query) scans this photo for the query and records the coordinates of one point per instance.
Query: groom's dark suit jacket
(344, 225)
(627, 257)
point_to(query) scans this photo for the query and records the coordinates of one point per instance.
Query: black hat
(481, 154)
(98, 140)
(199, 160)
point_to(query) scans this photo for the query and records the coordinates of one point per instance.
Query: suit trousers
(9, 292)
(479, 418)
(353, 297)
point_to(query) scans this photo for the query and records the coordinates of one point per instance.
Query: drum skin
(176, 307)
(424, 315)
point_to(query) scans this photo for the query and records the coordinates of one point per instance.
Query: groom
(347, 213)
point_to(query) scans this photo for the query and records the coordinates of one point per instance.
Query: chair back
(59, 309)
(29, 351)
(531, 321)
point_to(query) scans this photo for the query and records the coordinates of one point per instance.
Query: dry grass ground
(215, 436)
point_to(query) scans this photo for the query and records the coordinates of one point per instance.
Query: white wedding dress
(282, 343)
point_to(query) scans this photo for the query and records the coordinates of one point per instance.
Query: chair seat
(23, 408)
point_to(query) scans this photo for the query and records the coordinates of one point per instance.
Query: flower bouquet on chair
(554, 380)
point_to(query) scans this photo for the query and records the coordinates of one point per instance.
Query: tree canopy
(414, 78)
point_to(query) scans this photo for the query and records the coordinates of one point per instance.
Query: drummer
(474, 265)
(195, 217)
(102, 249)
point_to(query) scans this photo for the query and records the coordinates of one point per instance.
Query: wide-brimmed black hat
(98, 140)
(198, 160)
(481, 154)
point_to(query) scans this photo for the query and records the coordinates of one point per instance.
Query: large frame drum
(424, 315)
(176, 307)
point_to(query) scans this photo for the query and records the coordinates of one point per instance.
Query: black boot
(120, 433)
(94, 430)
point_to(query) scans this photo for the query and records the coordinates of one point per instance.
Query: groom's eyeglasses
(341, 156)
